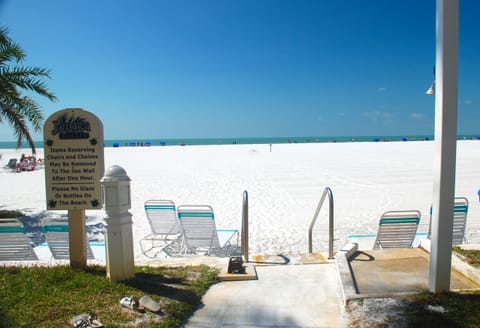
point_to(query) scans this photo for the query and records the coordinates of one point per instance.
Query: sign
(73, 151)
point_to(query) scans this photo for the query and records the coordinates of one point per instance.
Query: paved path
(283, 296)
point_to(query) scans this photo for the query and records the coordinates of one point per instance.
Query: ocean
(260, 140)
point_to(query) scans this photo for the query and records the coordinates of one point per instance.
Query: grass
(471, 256)
(456, 310)
(10, 214)
(422, 310)
(50, 297)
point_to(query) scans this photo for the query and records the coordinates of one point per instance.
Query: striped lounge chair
(397, 229)
(165, 230)
(200, 233)
(57, 236)
(460, 212)
(14, 243)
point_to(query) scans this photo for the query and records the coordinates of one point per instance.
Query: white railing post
(244, 239)
(326, 192)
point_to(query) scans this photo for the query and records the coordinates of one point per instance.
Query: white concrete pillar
(445, 144)
(118, 230)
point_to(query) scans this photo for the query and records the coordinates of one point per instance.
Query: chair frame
(165, 229)
(14, 242)
(397, 229)
(200, 233)
(56, 232)
(460, 215)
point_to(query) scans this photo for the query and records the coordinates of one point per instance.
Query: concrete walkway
(288, 292)
(283, 296)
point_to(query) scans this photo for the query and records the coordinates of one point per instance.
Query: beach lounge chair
(12, 164)
(56, 235)
(163, 221)
(199, 231)
(397, 229)
(460, 212)
(14, 243)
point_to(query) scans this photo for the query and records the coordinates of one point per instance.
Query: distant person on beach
(21, 163)
(26, 163)
(478, 195)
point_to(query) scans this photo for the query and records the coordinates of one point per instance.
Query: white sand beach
(284, 186)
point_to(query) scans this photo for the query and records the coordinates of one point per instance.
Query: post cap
(115, 173)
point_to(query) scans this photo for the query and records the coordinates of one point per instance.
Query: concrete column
(445, 144)
(118, 230)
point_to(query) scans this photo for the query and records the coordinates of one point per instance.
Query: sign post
(74, 165)
(77, 235)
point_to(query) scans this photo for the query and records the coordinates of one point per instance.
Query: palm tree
(16, 108)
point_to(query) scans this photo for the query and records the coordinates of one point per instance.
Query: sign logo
(73, 127)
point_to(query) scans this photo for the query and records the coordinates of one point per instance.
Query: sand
(284, 186)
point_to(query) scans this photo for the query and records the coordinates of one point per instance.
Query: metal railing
(326, 192)
(245, 226)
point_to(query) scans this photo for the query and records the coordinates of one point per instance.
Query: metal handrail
(326, 192)
(245, 226)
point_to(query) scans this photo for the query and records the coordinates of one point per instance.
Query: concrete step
(282, 296)
(294, 259)
(269, 260)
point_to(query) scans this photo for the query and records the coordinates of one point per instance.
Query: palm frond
(17, 121)
(9, 50)
(8, 54)
(4, 34)
(26, 78)
(16, 108)
(30, 109)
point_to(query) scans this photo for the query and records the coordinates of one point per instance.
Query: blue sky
(246, 68)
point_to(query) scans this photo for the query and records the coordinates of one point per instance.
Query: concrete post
(118, 230)
(445, 144)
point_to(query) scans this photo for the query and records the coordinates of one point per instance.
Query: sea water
(251, 140)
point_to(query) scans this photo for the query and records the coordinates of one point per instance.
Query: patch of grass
(10, 214)
(472, 256)
(425, 309)
(50, 297)
(444, 310)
